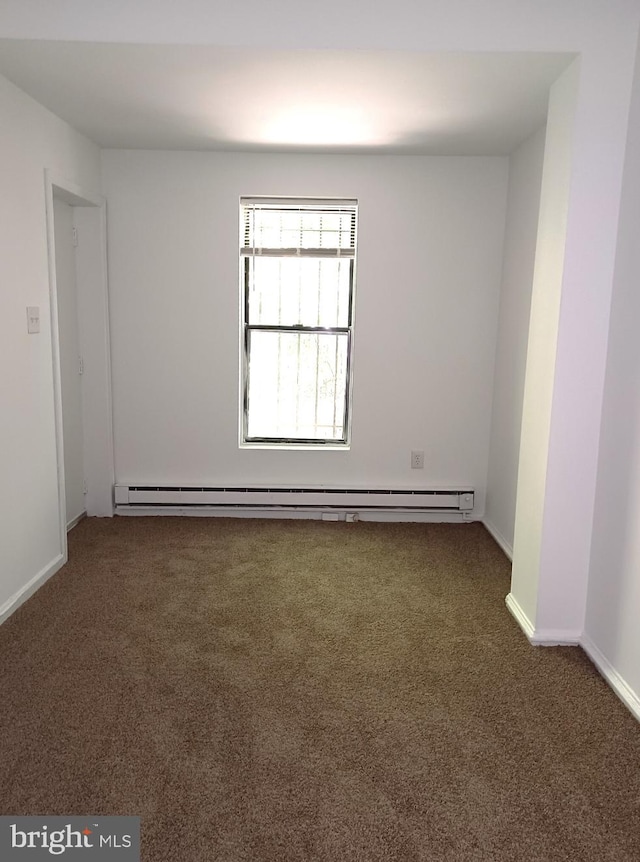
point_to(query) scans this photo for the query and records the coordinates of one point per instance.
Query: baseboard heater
(150, 496)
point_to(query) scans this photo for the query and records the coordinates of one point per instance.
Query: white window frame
(246, 253)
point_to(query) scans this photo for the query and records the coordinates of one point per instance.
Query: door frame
(76, 196)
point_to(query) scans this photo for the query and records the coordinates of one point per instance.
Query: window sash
(345, 332)
(249, 316)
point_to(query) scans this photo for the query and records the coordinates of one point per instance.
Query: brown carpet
(299, 690)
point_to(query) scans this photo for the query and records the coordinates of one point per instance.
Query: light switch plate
(33, 319)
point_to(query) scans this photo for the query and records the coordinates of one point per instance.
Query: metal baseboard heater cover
(256, 497)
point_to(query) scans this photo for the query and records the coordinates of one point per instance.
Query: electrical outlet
(417, 459)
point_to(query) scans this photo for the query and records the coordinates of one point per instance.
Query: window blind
(284, 227)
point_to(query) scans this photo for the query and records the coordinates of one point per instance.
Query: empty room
(320, 431)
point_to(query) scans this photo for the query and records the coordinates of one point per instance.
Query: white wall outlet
(33, 319)
(417, 459)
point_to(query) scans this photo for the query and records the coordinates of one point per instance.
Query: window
(297, 266)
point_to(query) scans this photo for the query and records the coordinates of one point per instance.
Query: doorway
(71, 361)
(76, 229)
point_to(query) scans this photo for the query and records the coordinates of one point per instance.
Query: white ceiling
(211, 98)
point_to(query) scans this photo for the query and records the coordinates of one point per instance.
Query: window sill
(304, 447)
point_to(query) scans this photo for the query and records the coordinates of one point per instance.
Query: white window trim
(246, 251)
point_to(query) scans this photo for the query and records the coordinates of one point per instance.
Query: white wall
(613, 609)
(31, 139)
(430, 252)
(523, 204)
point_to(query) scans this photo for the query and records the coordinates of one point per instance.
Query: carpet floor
(298, 690)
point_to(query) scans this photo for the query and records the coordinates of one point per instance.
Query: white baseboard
(75, 521)
(499, 538)
(555, 637)
(519, 615)
(382, 515)
(541, 637)
(13, 603)
(624, 691)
